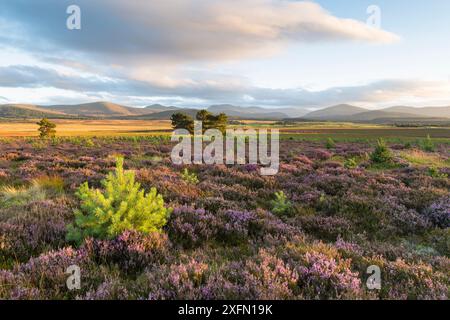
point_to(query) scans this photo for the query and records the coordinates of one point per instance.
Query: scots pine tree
(122, 205)
(46, 129)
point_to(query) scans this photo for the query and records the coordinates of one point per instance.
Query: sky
(195, 53)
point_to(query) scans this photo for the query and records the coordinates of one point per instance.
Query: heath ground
(342, 201)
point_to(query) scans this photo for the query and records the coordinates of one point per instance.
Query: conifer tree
(121, 206)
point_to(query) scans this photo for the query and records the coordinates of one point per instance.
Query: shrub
(46, 129)
(132, 251)
(427, 144)
(439, 213)
(121, 206)
(281, 205)
(381, 154)
(350, 163)
(189, 177)
(330, 144)
(435, 173)
(191, 227)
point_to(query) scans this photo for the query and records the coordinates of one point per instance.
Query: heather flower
(325, 277)
(178, 281)
(234, 225)
(111, 289)
(439, 213)
(191, 227)
(131, 251)
(265, 278)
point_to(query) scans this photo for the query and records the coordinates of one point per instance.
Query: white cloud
(205, 92)
(185, 30)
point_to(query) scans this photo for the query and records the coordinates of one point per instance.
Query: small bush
(427, 144)
(330, 144)
(189, 177)
(350, 163)
(120, 207)
(382, 154)
(435, 173)
(281, 205)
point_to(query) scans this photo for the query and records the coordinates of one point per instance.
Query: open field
(85, 127)
(305, 131)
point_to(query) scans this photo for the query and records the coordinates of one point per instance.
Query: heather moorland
(335, 208)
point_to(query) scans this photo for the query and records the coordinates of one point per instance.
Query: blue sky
(271, 53)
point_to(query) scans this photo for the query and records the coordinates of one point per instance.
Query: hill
(97, 109)
(26, 111)
(154, 108)
(338, 112)
(247, 112)
(165, 115)
(438, 112)
(398, 114)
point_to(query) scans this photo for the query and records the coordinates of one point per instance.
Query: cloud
(203, 93)
(138, 51)
(181, 30)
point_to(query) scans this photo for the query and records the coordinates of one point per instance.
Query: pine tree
(46, 129)
(382, 154)
(122, 205)
(182, 121)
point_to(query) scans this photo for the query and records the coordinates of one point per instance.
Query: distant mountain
(342, 112)
(380, 114)
(247, 112)
(159, 108)
(338, 112)
(424, 112)
(389, 115)
(165, 115)
(27, 111)
(97, 109)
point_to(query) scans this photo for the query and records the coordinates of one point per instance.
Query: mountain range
(343, 112)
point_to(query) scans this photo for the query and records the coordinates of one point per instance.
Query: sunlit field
(85, 127)
(320, 131)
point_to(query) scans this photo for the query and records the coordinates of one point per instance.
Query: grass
(39, 190)
(420, 158)
(16, 196)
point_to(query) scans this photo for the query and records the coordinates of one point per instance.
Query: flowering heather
(224, 240)
(439, 213)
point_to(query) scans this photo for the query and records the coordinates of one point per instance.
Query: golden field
(340, 131)
(86, 127)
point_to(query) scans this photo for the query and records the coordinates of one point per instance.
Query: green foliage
(382, 154)
(408, 145)
(428, 145)
(189, 177)
(122, 206)
(89, 143)
(435, 173)
(330, 144)
(281, 205)
(209, 121)
(182, 121)
(46, 129)
(350, 163)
